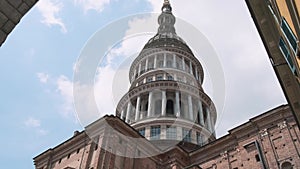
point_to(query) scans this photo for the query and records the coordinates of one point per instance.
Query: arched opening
(169, 63)
(170, 108)
(286, 165)
(157, 107)
(144, 110)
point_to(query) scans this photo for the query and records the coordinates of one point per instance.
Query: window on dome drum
(155, 133)
(186, 135)
(170, 108)
(159, 77)
(170, 77)
(142, 132)
(149, 79)
(171, 133)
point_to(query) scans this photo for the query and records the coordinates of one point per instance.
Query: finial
(166, 6)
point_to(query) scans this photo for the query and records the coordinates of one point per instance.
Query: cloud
(43, 77)
(35, 125)
(32, 122)
(50, 10)
(65, 89)
(97, 5)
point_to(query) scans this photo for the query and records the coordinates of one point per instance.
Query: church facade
(167, 121)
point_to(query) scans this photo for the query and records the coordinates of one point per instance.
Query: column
(134, 74)
(140, 68)
(209, 120)
(150, 104)
(163, 103)
(122, 114)
(137, 109)
(197, 74)
(201, 117)
(177, 104)
(191, 67)
(128, 112)
(155, 62)
(146, 65)
(183, 64)
(174, 61)
(163, 132)
(165, 60)
(190, 104)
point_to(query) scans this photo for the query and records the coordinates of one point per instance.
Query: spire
(166, 20)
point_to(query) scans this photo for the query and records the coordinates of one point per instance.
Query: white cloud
(65, 89)
(42, 132)
(35, 124)
(97, 5)
(50, 10)
(32, 122)
(43, 77)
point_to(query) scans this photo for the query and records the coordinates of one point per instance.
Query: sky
(40, 56)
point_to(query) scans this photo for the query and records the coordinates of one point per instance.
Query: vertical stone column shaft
(201, 117)
(137, 109)
(150, 104)
(155, 62)
(209, 120)
(165, 60)
(128, 112)
(177, 104)
(190, 104)
(163, 103)
(183, 64)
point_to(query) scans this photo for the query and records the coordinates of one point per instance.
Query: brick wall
(11, 12)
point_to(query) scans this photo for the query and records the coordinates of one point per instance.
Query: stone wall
(11, 12)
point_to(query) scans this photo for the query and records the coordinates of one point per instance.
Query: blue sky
(38, 61)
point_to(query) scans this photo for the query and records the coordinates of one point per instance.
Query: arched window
(170, 108)
(157, 107)
(286, 165)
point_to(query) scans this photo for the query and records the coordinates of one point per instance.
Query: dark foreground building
(166, 121)
(278, 23)
(11, 12)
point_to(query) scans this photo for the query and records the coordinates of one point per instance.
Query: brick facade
(266, 141)
(11, 12)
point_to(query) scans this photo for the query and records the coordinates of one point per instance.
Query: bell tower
(166, 102)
